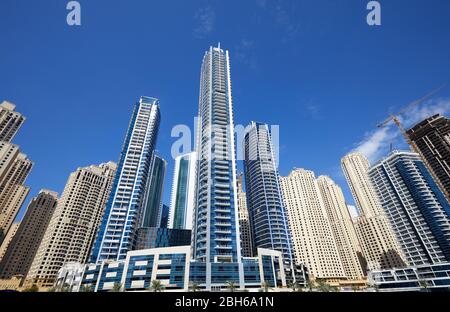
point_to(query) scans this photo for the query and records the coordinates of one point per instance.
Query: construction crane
(395, 119)
(410, 106)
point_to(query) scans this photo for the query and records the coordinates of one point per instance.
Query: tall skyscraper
(23, 247)
(123, 213)
(183, 192)
(10, 121)
(311, 231)
(153, 208)
(342, 227)
(72, 228)
(431, 139)
(14, 169)
(380, 247)
(415, 206)
(268, 219)
(216, 224)
(244, 221)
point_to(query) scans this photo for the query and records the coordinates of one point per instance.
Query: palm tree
(32, 288)
(310, 285)
(293, 285)
(265, 286)
(323, 287)
(423, 284)
(117, 287)
(231, 286)
(86, 288)
(194, 287)
(156, 286)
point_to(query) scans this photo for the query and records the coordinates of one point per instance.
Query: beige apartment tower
(23, 247)
(342, 226)
(244, 222)
(14, 169)
(10, 121)
(8, 238)
(74, 224)
(311, 231)
(380, 248)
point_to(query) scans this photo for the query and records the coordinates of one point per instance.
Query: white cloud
(206, 18)
(353, 211)
(376, 144)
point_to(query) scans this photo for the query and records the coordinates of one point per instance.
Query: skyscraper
(10, 121)
(244, 222)
(379, 245)
(415, 206)
(268, 220)
(23, 247)
(183, 192)
(14, 169)
(216, 224)
(72, 228)
(431, 139)
(117, 233)
(153, 207)
(342, 227)
(312, 236)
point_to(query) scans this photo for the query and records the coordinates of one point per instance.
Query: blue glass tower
(125, 208)
(416, 208)
(267, 213)
(152, 213)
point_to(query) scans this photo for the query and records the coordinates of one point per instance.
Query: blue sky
(313, 67)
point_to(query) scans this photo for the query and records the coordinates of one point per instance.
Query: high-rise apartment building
(379, 245)
(8, 238)
(267, 214)
(10, 121)
(415, 206)
(153, 208)
(72, 228)
(23, 247)
(216, 237)
(431, 139)
(312, 235)
(183, 192)
(342, 227)
(244, 221)
(123, 213)
(14, 169)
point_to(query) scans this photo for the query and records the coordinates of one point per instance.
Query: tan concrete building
(10, 121)
(74, 224)
(14, 283)
(8, 238)
(311, 231)
(244, 222)
(23, 247)
(14, 169)
(380, 248)
(342, 227)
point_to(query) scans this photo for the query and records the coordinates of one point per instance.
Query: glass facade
(268, 219)
(415, 206)
(182, 202)
(153, 237)
(152, 212)
(117, 231)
